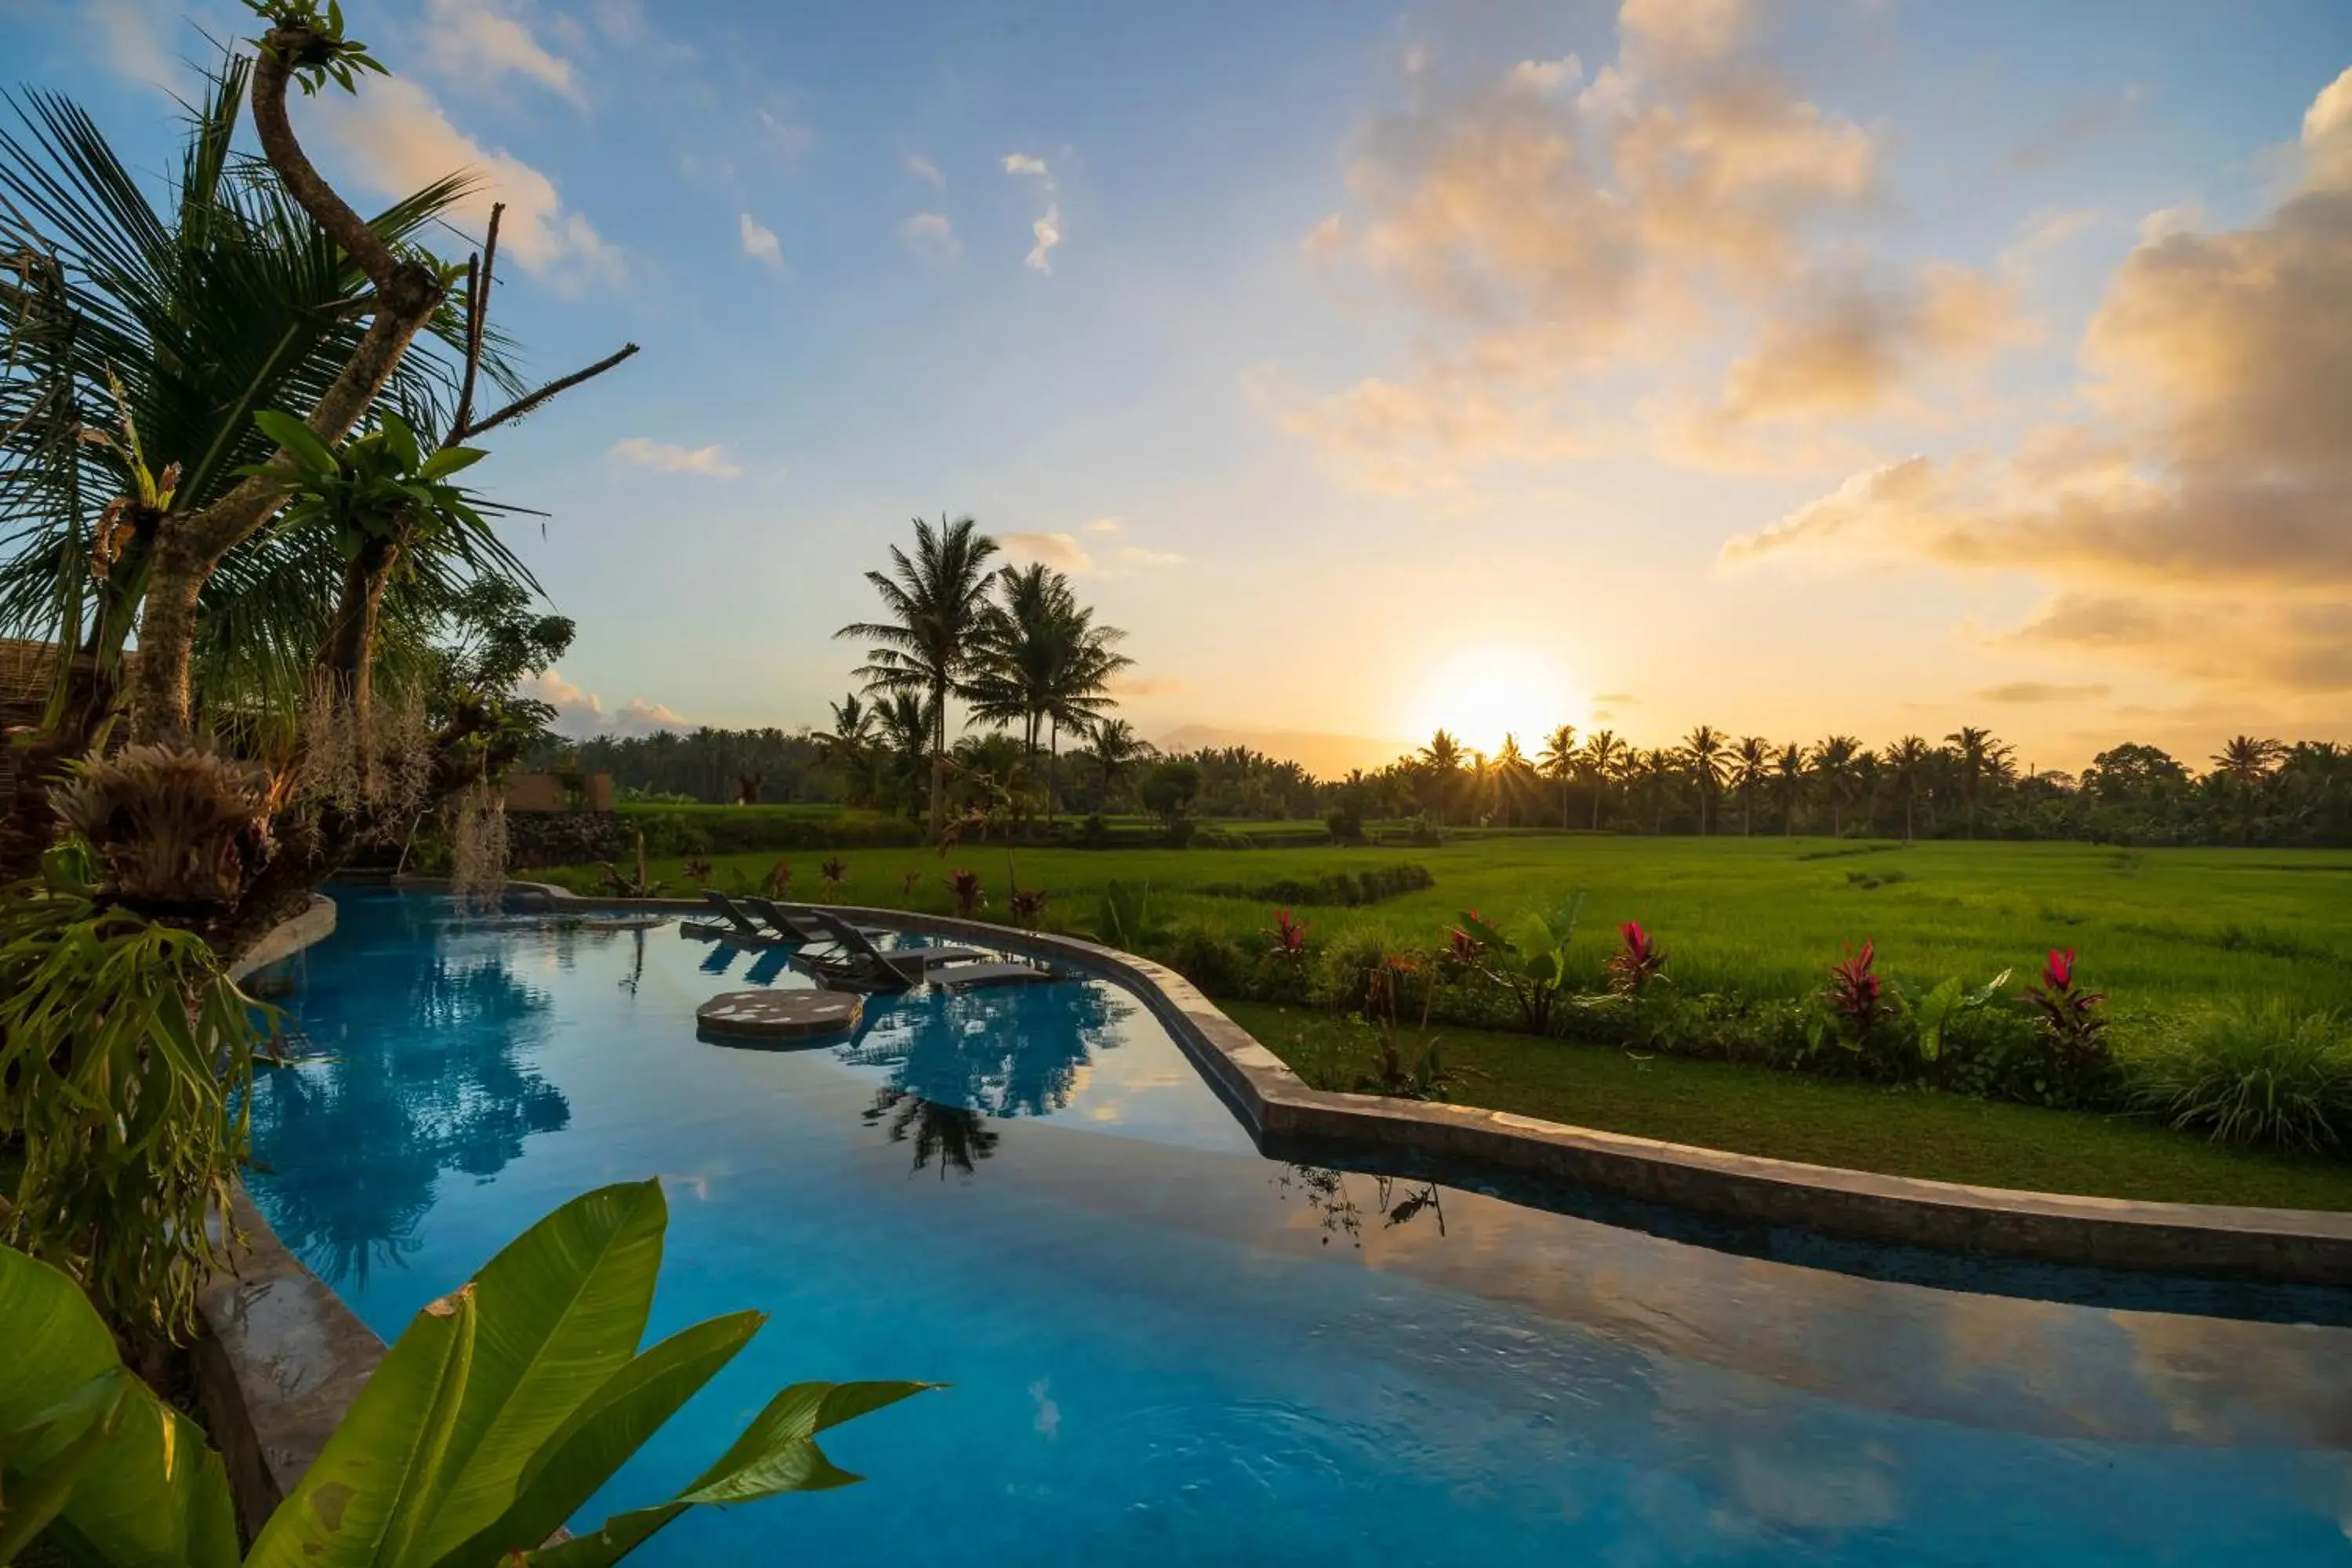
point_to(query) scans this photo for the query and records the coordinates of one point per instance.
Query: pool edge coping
(281, 1356)
(2307, 1246)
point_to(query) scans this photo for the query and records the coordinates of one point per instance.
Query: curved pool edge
(280, 1357)
(1288, 1118)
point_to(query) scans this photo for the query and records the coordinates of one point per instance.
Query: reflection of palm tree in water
(1013, 1052)
(361, 1136)
(949, 1134)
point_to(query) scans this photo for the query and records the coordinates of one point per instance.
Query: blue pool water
(1168, 1348)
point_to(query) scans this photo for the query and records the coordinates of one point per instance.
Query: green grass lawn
(1718, 1105)
(2160, 930)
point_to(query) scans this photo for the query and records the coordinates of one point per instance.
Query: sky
(1865, 366)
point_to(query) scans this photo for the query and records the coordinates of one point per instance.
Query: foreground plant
(964, 886)
(835, 873)
(1531, 961)
(1028, 906)
(124, 1054)
(2071, 1025)
(1289, 935)
(494, 1418)
(1638, 964)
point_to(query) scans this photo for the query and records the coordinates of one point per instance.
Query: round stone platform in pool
(771, 1014)
(1164, 1347)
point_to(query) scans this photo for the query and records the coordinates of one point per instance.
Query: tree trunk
(1052, 770)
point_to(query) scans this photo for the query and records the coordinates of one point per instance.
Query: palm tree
(1751, 764)
(1907, 760)
(1113, 748)
(1602, 757)
(2248, 764)
(1790, 767)
(903, 727)
(1443, 759)
(1657, 771)
(1980, 756)
(1042, 662)
(1513, 779)
(1703, 756)
(938, 606)
(846, 748)
(1834, 769)
(1557, 762)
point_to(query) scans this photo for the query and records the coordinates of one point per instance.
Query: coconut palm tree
(1513, 779)
(1442, 760)
(1657, 772)
(1907, 761)
(1557, 762)
(1980, 757)
(1042, 663)
(1789, 768)
(937, 608)
(847, 747)
(2248, 764)
(904, 730)
(1834, 769)
(1751, 766)
(1113, 747)
(1703, 758)
(1599, 763)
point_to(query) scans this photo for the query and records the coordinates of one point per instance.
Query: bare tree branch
(477, 312)
(522, 405)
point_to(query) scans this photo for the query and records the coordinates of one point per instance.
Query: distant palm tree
(1790, 766)
(1513, 779)
(938, 606)
(1907, 760)
(1751, 766)
(1598, 762)
(1703, 757)
(1980, 756)
(2248, 764)
(1112, 748)
(846, 748)
(1557, 762)
(1657, 771)
(1042, 663)
(903, 728)
(1443, 758)
(1835, 771)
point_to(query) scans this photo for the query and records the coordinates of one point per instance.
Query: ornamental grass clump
(2255, 1071)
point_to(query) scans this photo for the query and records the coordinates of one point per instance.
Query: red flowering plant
(778, 882)
(1463, 952)
(1855, 1000)
(969, 896)
(1638, 963)
(1027, 904)
(906, 881)
(1289, 940)
(836, 872)
(2072, 1025)
(695, 870)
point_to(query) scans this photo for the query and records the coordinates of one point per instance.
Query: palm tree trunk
(1053, 768)
(939, 761)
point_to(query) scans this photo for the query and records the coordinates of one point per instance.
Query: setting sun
(1480, 695)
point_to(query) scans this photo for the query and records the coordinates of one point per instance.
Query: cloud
(760, 244)
(395, 140)
(1046, 231)
(1547, 76)
(923, 169)
(1549, 236)
(2036, 691)
(1064, 552)
(2059, 138)
(1060, 550)
(647, 454)
(932, 237)
(2196, 518)
(580, 714)
(133, 32)
(1144, 685)
(473, 40)
(786, 134)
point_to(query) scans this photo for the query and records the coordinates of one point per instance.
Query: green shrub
(1094, 833)
(1348, 889)
(1208, 959)
(1180, 832)
(2253, 1071)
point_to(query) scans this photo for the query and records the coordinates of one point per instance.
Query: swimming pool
(1167, 1348)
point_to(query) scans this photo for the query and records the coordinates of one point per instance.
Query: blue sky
(1791, 368)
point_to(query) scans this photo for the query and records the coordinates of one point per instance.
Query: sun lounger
(736, 926)
(849, 961)
(797, 925)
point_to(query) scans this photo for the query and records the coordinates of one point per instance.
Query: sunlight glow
(1482, 694)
